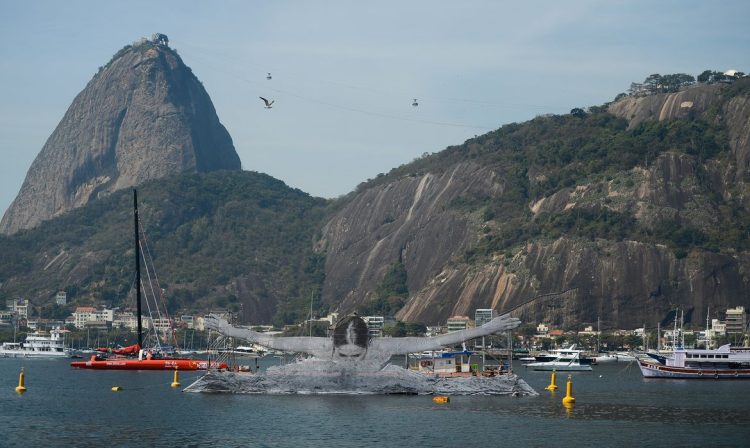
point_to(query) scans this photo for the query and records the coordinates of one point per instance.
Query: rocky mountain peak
(143, 116)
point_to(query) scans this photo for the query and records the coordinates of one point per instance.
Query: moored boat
(149, 363)
(38, 345)
(568, 360)
(722, 363)
(124, 358)
(555, 353)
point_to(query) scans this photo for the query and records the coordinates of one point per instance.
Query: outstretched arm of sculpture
(416, 344)
(314, 346)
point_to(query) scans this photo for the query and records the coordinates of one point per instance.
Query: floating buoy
(21, 388)
(116, 388)
(568, 399)
(441, 399)
(176, 379)
(552, 382)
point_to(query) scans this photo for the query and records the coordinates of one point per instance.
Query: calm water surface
(614, 406)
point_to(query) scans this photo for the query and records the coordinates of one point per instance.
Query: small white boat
(604, 358)
(625, 356)
(567, 360)
(38, 345)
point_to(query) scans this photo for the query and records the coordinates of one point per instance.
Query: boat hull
(654, 370)
(147, 364)
(34, 354)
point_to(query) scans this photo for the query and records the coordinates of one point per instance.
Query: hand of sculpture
(216, 323)
(502, 323)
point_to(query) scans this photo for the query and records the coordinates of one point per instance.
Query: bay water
(614, 406)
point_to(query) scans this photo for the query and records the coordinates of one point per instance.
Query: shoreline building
(735, 320)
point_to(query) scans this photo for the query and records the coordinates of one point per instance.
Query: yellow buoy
(21, 388)
(568, 399)
(552, 382)
(176, 379)
(441, 399)
(116, 388)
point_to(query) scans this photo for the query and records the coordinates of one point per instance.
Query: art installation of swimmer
(351, 345)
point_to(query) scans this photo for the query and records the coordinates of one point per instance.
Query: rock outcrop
(408, 220)
(627, 283)
(143, 116)
(697, 101)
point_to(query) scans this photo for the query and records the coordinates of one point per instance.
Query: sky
(345, 74)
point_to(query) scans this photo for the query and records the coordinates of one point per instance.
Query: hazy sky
(345, 73)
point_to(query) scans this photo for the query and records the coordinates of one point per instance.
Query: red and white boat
(722, 363)
(121, 363)
(123, 359)
(134, 357)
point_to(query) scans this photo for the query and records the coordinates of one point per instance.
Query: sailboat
(134, 357)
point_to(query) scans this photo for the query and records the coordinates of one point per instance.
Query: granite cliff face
(143, 116)
(696, 102)
(414, 218)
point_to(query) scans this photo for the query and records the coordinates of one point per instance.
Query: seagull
(268, 103)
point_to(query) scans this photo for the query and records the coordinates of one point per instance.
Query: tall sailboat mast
(137, 268)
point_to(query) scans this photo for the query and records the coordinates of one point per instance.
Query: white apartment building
(483, 315)
(375, 325)
(85, 316)
(457, 323)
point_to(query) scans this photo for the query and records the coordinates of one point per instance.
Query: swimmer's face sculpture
(350, 339)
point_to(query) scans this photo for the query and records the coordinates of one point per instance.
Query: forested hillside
(235, 240)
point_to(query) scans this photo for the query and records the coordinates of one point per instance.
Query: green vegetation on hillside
(550, 153)
(217, 240)
(390, 294)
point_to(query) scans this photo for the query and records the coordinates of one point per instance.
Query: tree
(705, 76)
(636, 88)
(653, 83)
(674, 82)
(578, 112)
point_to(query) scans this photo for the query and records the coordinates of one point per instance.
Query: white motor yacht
(566, 360)
(38, 345)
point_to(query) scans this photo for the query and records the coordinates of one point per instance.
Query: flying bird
(268, 103)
